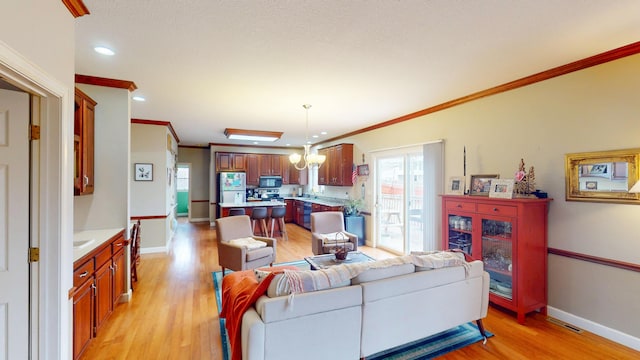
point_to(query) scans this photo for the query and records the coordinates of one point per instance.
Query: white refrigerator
(233, 187)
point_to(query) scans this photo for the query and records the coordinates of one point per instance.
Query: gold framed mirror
(602, 176)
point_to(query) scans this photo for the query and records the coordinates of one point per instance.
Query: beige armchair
(326, 224)
(239, 258)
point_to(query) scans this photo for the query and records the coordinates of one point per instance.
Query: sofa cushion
(248, 243)
(259, 253)
(385, 268)
(409, 283)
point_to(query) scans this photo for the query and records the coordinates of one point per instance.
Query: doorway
(182, 188)
(48, 198)
(407, 184)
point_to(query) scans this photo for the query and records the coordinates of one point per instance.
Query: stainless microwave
(270, 182)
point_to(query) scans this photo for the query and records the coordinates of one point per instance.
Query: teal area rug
(427, 348)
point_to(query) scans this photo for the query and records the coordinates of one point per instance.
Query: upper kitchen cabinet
(253, 169)
(226, 161)
(83, 143)
(270, 165)
(337, 168)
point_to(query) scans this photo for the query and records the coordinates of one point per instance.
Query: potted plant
(353, 207)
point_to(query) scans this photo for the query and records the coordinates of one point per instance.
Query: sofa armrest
(253, 335)
(485, 295)
(316, 243)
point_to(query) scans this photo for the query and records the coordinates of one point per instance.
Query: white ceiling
(205, 65)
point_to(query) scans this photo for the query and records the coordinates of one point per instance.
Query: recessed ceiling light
(255, 143)
(314, 136)
(323, 133)
(288, 144)
(139, 98)
(104, 51)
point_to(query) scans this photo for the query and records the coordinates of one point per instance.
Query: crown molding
(100, 81)
(76, 7)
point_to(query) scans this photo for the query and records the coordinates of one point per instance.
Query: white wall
(31, 47)
(590, 110)
(108, 206)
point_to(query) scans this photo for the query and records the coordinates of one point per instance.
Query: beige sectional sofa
(379, 309)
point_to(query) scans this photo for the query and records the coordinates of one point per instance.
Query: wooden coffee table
(327, 260)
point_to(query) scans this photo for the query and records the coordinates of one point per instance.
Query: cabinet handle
(119, 244)
(84, 274)
(86, 180)
(95, 289)
(495, 209)
(459, 206)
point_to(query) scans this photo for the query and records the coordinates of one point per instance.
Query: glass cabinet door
(497, 256)
(459, 233)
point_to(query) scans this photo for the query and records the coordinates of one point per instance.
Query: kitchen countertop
(315, 201)
(99, 237)
(252, 204)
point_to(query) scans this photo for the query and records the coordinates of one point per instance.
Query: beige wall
(156, 198)
(199, 159)
(108, 206)
(590, 110)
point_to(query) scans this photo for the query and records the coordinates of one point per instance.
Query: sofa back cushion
(374, 274)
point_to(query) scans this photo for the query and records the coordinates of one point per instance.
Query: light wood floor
(173, 313)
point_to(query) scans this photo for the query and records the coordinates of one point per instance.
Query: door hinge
(35, 132)
(34, 254)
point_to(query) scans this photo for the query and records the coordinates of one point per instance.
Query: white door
(14, 225)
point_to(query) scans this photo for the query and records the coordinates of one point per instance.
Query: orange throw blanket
(240, 290)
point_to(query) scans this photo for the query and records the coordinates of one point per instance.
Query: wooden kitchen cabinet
(291, 211)
(226, 161)
(83, 317)
(253, 169)
(338, 166)
(270, 165)
(96, 293)
(297, 177)
(83, 143)
(510, 237)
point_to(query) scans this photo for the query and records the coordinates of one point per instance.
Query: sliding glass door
(399, 200)
(407, 206)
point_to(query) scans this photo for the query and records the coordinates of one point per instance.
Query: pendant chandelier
(308, 159)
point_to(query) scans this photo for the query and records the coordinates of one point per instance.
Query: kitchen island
(247, 206)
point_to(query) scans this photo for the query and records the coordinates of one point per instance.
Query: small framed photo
(143, 172)
(591, 185)
(502, 188)
(481, 184)
(455, 185)
(363, 170)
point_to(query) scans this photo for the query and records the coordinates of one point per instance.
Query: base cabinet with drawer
(510, 237)
(99, 281)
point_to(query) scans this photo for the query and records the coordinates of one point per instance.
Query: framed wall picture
(455, 186)
(363, 170)
(481, 184)
(501, 188)
(143, 172)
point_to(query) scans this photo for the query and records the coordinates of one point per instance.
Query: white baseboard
(152, 250)
(199, 219)
(598, 329)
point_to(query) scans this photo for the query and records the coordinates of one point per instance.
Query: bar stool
(259, 214)
(277, 216)
(236, 211)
